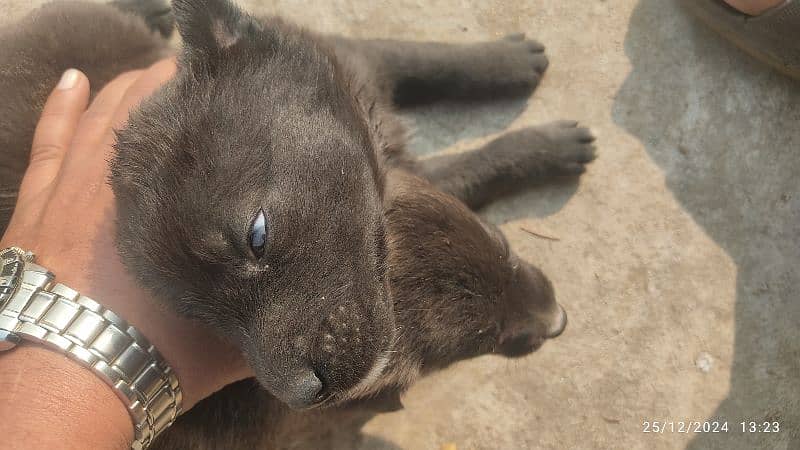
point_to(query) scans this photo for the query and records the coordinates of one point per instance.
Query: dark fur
(372, 255)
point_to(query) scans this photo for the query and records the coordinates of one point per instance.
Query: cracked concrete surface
(678, 258)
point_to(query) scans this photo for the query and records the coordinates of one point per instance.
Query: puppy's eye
(258, 235)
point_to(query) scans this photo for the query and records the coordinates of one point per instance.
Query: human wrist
(39, 386)
(104, 279)
(56, 316)
(65, 320)
(176, 339)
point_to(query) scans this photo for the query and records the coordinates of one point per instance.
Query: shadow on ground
(726, 132)
(440, 125)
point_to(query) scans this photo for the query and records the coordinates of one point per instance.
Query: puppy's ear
(208, 27)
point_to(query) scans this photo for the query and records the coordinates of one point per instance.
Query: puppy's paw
(516, 62)
(568, 147)
(554, 149)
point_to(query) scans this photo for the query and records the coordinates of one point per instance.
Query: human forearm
(48, 401)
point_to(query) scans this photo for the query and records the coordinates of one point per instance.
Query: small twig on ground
(539, 235)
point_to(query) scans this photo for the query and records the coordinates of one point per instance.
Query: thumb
(54, 132)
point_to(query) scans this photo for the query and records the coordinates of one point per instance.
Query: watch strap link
(61, 318)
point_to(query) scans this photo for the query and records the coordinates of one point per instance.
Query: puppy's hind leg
(418, 72)
(512, 161)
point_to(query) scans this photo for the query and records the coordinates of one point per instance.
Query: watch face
(11, 266)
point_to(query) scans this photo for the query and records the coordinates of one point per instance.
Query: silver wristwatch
(32, 308)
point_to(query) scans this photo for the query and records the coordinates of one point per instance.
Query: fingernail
(68, 80)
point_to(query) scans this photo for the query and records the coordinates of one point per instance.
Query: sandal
(773, 36)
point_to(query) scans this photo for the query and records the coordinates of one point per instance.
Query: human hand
(65, 214)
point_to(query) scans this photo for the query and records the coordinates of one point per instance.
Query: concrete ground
(678, 256)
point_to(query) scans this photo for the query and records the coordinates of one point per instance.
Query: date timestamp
(685, 426)
(708, 426)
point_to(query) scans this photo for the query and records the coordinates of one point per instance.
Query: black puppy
(266, 191)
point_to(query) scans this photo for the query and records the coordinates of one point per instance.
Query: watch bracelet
(97, 338)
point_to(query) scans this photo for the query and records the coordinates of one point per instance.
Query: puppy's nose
(559, 323)
(305, 391)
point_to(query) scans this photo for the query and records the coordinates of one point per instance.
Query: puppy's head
(457, 285)
(249, 197)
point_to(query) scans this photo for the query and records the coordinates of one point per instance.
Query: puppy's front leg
(416, 72)
(512, 161)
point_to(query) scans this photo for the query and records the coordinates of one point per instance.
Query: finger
(89, 164)
(97, 118)
(94, 123)
(55, 130)
(85, 174)
(153, 78)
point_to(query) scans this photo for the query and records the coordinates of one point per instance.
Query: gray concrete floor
(678, 258)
